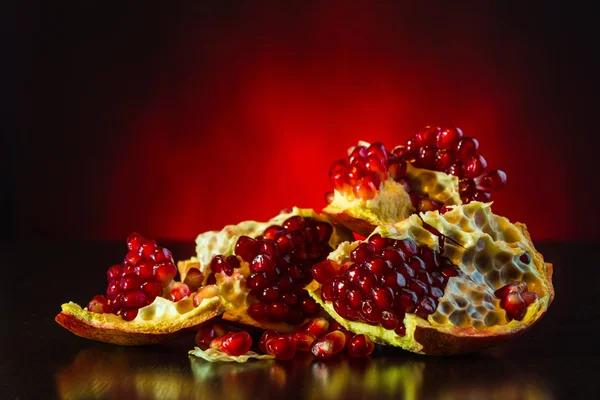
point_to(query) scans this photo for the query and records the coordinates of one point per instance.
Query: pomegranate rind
(156, 323)
(214, 355)
(475, 228)
(232, 288)
(392, 203)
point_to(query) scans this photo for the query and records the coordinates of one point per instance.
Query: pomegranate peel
(214, 355)
(155, 323)
(234, 293)
(486, 249)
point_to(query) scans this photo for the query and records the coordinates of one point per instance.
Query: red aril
(360, 346)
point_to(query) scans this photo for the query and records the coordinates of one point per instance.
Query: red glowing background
(183, 121)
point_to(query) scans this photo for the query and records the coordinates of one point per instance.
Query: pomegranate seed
(397, 169)
(362, 252)
(378, 242)
(236, 344)
(389, 320)
(265, 337)
(358, 153)
(406, 271)
(205, 292)
(322, 349)
(377, 166)
(419, 287)
(270, 293)
(285, 243)
(218, 264)
(193, 279)
(395, 256)
(325, 230)
(444, 159)
(366, 188)
(324, 271)
(337, 175)
(360, 346)
(281, 347)
(407, 246)
(263, 263)
(529, 297)
(378, 265)
(427, 157)
(257, 281)
(353, 272)
(427, 136)
(340, 286)
(132, 257)
(207, 334)
(436, 292)
(277, 310)
(416, 263)
(400, 331)
(326, 294)
(383, 297)
(514, 305)
(293, 224)
(448, 138)
(355, 299)
(151, 288)
(370, 313)
(426, 306)
(165, 272)
(316, 327)
(309, 306)
(129, 282)
(482, 195)
(179, 292)
(303, 340)
(455, 169)
(467, 148)
(405, 301)
(290, 299)
(259, 312)
(273, 232)
(474, 166)
(338, 338)
(114, 272)
(112, 291)
(247, 248)
(329, 196)
(516, 287)
(393, 280)
(161, 254)
(145, 268)
(525, 258)
(366, 282)
(493, 180)
(233, 262)
(378, 149)
(130, 314)
(133, 241)
(99, 305)
(133, 299)
(147, 247)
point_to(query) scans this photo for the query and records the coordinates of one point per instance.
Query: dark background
(172, 120)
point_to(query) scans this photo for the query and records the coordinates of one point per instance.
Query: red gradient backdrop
(183, 121)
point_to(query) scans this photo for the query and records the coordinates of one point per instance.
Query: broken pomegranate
(262, 268)
(437, 283)
(143, 304)
(375, 185)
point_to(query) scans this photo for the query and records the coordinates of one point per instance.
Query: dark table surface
(555, 359)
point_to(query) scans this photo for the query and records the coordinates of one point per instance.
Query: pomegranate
(437, 283)
(261, 269)
(143, 304)
(375, 185)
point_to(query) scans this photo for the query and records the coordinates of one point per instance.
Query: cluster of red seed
(433, 148)
(318, 336)
(515, 297)
(385, 279)
(280, 262)
(138, 280)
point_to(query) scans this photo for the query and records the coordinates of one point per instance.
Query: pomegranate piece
(268, 334)
(281, 347)
(316, 327)
(338, 338)
(324, 271)
(360, 346)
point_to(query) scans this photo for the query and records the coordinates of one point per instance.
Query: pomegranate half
(438, 284)
(375, 185)
(262, 268)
